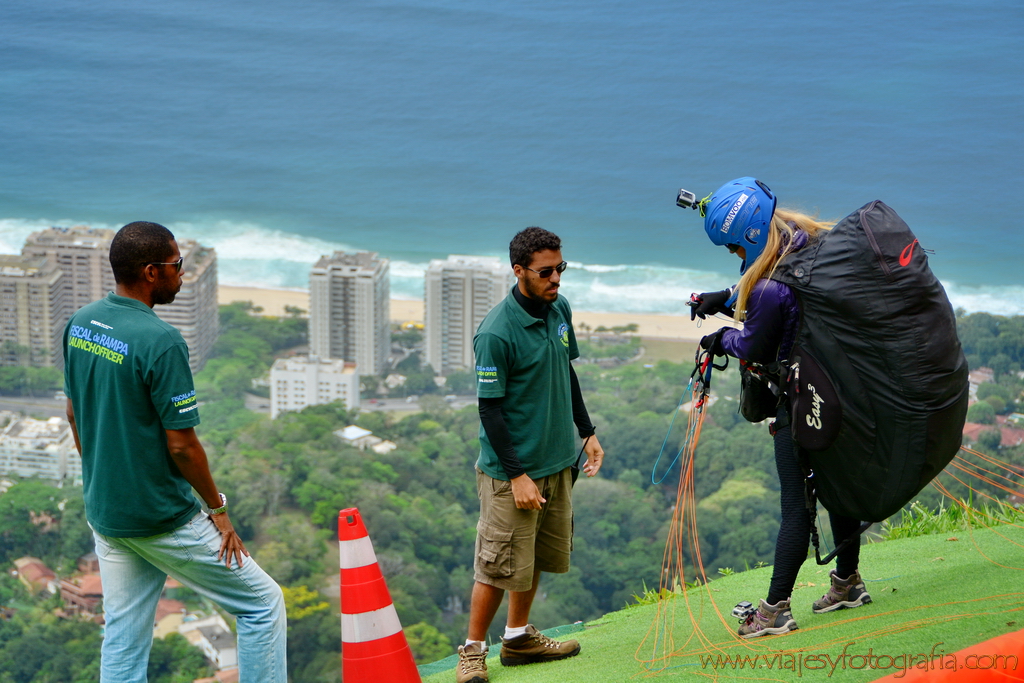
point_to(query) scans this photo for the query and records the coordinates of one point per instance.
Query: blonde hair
(781, 235)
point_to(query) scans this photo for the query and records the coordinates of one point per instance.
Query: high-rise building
(39, 448)
(194, 311)
(83, 255)
(299, 382)
(460, 292)
(33, 311)
(349, 310)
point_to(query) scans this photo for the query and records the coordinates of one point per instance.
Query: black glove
(709, 303)
(713, 343)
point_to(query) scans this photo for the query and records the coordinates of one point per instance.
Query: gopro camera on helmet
(686, 200)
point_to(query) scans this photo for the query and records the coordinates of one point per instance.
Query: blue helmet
(740, 213)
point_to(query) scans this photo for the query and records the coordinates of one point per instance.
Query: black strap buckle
(811, 501)
(778, 424)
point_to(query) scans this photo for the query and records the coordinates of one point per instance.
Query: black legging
(795, 530)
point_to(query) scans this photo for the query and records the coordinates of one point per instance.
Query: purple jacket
(773, 317)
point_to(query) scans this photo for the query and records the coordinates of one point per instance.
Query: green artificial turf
(933, 595)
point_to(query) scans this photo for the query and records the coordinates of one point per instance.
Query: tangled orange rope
(697, 596)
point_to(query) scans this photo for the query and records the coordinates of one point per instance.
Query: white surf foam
(1008, 300)
(251, 255)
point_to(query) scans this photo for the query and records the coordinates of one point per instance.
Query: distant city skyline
(62, 269)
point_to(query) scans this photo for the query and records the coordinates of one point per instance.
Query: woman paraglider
(743, 217)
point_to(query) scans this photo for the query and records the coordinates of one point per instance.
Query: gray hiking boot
(472, 666)
(843, 594)
(769, 620)
(534, 646)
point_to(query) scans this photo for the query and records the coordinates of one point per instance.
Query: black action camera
(743, 610)
(686, 200)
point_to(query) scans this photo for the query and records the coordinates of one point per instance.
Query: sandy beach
(650, 326)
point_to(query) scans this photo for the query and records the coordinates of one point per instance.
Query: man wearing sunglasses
(529, 401)
(133, 411)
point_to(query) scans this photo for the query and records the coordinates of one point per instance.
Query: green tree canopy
(981, 413)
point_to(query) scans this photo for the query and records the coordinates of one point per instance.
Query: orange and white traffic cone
(373, 646)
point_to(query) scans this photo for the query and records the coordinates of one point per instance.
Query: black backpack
(877, 381)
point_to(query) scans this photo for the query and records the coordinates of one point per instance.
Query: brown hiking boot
(534, 646)
(769, 620)
(472, 666)
(843, 594)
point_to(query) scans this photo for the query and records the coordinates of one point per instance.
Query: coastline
(650, 325)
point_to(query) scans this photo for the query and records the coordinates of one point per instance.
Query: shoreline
(649, 325)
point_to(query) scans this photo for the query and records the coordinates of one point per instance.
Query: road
(49, 407)
(401, 405)
(397, 405)
(33, 406)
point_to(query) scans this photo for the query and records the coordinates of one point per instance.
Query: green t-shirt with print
(127, 375)
(526, 361)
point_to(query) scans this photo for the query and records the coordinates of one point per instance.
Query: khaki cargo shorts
(511, 543)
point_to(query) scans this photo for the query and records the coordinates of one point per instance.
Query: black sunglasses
(177, 264)
(733, 248)
(547, 272)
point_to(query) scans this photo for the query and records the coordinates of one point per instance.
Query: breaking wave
(254, 256)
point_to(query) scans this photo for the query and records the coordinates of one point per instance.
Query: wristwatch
(223, 505)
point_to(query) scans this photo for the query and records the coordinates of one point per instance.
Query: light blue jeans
(133, 571)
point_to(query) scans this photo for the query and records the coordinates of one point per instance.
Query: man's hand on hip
(595, 456)
(526, 494)
(230, 544)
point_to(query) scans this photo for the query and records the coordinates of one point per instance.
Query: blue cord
(682, 399)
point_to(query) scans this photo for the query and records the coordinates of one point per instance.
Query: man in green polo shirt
(133, 411)
(529, 401)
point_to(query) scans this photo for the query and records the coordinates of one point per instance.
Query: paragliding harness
(876, 380)
(810, 492)
(761, 394)
(761, 390)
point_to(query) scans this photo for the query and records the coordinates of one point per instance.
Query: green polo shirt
(526, 361)
(126, 372)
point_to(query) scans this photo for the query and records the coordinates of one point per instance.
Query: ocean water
(277, 132)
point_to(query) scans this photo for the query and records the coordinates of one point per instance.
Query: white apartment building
(83, 255)
(194, 310)
(460, 292)
(33, 311)
(40, 448)
(350, 310)
(301, 381)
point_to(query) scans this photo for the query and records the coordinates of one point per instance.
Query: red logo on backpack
(907, 253)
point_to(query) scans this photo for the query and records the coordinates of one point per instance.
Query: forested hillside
(287, 479)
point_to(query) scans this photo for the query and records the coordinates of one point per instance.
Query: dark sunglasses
(547, 272)
(733, 248)
(177, 264)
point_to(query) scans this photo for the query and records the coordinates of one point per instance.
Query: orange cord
(683, 536)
